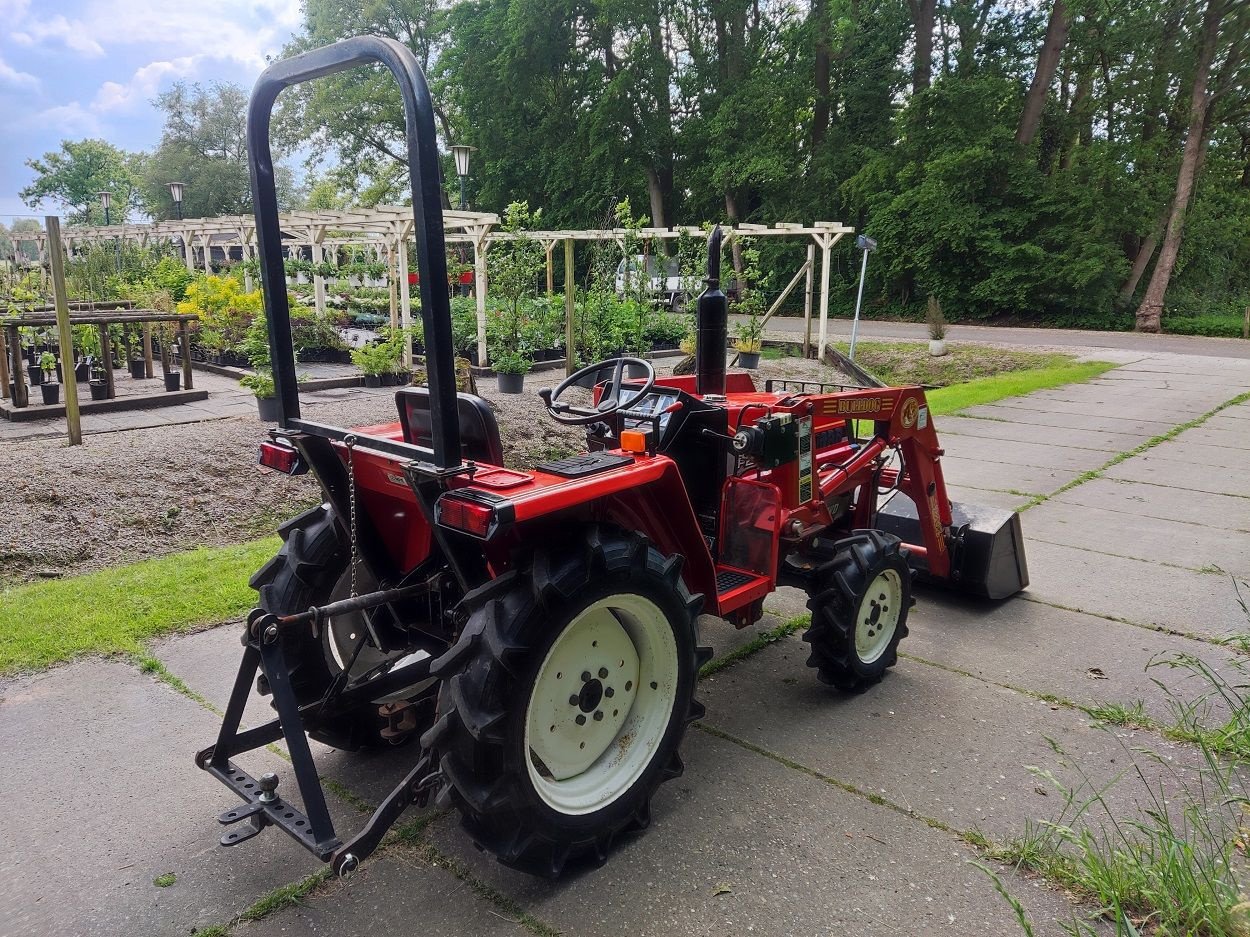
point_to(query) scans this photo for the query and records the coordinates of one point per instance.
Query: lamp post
(175, 190)
(106, 199)
(461, 152)
(867, 245)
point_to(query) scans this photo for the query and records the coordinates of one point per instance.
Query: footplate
(258, 812)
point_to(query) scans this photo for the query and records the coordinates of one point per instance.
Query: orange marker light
(634, 440)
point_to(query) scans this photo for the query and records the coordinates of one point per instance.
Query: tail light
(478, 514)
(282, 458)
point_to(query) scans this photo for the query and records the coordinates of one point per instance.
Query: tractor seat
(479, 433)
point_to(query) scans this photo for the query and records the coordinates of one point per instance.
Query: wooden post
(4, 366)
(1245, 325)
(391, 286)
(19, 371)
(570, 356)
(551, 268)
(479, 289)
(184, 340)
(106, 352)
(147, 349)
(73, 421)
(807, 300)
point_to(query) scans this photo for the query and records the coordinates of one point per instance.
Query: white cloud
(113, 96)
(75, 35)
(69, 119)
(11, 76)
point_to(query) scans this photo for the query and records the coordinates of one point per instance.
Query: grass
(947, 400)
(164, 881)
(910, 362)
(115, 610)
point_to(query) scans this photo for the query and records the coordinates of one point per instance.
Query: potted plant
(373, 360)
(749, 342)
(937, 328)
(98, 385)
(34, 370)
(173, 380)
(511, 367)
(260, 383)
(50, 389)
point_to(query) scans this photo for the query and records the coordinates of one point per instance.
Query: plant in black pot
(98, 384)
(374, 360)
(49, 387)
(34, 370)
(260, 383)
(750, 334)
(511, 366)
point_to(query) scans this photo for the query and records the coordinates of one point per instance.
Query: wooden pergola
(387, 229)
(11, 356)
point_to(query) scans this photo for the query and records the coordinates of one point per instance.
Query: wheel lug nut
(598, 715)
(609, 692)
(573, 700)
(585, 676)
(581, 720)
(603, 672)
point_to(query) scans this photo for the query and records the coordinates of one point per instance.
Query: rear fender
(657, 508)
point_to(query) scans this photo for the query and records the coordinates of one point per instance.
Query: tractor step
(738, 587)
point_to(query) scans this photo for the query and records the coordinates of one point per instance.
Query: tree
(74, 175)
(1047, 63)
(204, 144)
(1150, 312)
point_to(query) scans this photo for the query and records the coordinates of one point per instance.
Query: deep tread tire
(491, 673)
(839, 587)
(303, 574)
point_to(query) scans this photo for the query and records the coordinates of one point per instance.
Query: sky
(71, 69)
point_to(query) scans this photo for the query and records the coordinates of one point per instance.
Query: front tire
(859, 604)
(565, 700)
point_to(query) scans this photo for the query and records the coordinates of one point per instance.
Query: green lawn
(117, 610)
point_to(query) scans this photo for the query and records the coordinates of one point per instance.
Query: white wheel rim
(601, 704)
(877, 617)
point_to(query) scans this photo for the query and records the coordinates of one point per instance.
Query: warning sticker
(923, 419)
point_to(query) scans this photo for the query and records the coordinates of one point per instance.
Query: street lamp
(106, 199)
(176, 190)
(867, 245)
(461, 152)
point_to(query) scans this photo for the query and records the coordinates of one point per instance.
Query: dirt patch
(910, 362)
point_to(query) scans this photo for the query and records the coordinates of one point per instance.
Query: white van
(671, 288)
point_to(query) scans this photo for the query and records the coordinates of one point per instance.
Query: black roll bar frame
(427, 214)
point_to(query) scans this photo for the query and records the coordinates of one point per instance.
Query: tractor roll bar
(427, 214)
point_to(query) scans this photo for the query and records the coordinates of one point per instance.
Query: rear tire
(859, 603)
(304, 573)
(565, 700)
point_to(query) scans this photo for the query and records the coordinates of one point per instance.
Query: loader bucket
(987, 547)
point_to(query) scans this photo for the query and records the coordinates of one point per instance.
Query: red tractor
(534, 633)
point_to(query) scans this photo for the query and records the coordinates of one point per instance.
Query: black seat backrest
(479, 433)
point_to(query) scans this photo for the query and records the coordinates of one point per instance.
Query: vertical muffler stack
(711, 336)
(987, 547)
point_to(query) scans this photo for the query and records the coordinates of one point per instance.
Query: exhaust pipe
(711, 325)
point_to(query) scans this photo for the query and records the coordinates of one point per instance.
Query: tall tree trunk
(655, 192)
(1150, 313)
(731, 212)
(923, 13)
(1140, 263)
(1079, 117)
(820, 111)
(1047, 62)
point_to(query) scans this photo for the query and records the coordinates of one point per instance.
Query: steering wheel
(615, 396)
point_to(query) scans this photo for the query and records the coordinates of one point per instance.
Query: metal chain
(350, 441)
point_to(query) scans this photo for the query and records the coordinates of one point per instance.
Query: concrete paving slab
(1225, 512)
(1143, 538)
(1174, 474)
(1208, 435)
(1126, 409)
(394, 894)
(1004, 476)
(940, 744)
(1229, 420)
(1200, 456)
(1103, 441)
(102, 796)
(985, 497)
(815, 860)
(1099, 422)
(1053, 455)
(1133, 590)
(1047, 650)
